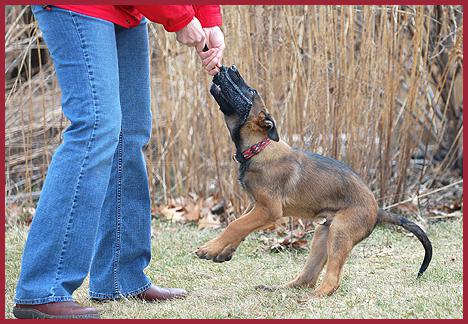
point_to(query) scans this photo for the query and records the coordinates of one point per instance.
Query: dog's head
(241, 105)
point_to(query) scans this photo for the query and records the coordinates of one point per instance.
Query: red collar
(256, 148)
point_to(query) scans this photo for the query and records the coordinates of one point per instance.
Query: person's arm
(176, 17)
(211, 19)
(172, 17)
(187, 22)
(208, 15)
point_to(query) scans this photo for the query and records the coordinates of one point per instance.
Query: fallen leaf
(209, 221)
(175, 214)
(192, 211)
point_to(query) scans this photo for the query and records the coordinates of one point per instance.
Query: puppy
(283, 181)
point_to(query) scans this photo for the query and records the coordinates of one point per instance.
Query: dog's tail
(391, 218)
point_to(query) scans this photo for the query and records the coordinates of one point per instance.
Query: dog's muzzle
(231, 92)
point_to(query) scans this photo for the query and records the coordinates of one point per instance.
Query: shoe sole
(24, 313)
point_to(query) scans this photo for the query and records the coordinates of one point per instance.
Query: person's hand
(211, 59)
(192, 35)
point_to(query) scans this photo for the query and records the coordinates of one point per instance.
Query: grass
(379, 279)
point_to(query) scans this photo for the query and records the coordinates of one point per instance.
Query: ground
(379, 279)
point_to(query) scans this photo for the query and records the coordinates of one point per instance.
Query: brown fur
(282, 182)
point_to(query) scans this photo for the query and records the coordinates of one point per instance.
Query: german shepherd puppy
(283, 181)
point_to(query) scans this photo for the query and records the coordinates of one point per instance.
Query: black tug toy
(232, 93)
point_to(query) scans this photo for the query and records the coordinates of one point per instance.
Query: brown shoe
(68, 309)
(155, 293)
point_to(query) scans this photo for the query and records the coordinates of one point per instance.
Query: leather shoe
(67, 309)
(155, 293)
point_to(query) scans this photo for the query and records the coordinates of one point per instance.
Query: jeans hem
(44, 300)
(131, 293)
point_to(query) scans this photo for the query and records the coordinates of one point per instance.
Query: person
(93, 216)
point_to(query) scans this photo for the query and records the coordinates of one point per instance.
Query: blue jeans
(93, 215)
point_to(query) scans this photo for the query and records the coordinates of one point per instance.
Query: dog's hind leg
(315, 261)
(349, 227)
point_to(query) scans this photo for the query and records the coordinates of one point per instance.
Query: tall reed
(352, 82)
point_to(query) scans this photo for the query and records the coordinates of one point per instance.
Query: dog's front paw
(214, 250)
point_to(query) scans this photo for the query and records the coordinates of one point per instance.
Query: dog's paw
(325, 290)
(215, 251)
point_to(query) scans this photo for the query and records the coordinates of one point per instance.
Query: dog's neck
(245, 143)
(248, 141)
(255, 149)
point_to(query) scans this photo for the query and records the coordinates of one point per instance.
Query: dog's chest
(243, 168)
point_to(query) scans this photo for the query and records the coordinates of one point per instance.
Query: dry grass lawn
(379, 279)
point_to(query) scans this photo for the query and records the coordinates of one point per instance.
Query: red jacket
(172, 17)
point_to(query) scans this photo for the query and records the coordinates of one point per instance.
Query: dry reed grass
(372, 86)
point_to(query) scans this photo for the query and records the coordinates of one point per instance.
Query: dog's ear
(269, 124)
